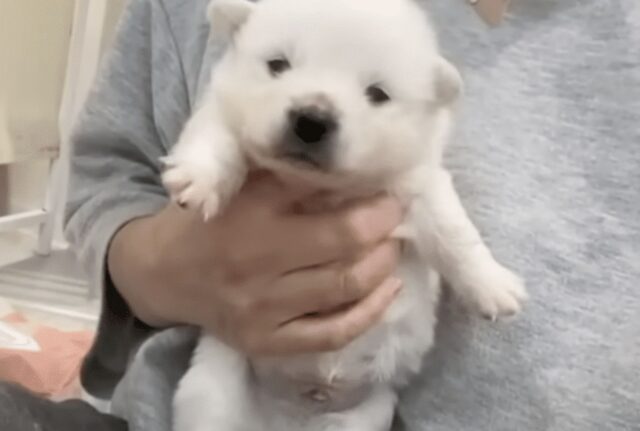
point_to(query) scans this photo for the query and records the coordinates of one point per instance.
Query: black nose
(311, 125)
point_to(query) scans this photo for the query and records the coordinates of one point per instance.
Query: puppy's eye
(377, 95)
(278, 65)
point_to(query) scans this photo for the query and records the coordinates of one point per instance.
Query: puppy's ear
(448, 83)
(228, 16)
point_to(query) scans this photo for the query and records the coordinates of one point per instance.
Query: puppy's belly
(389, 353)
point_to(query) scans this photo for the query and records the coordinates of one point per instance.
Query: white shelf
(21, 220)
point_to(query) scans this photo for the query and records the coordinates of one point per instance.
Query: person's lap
(144, 396)
(142, 399)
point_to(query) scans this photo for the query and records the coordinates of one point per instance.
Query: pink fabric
(54, 370)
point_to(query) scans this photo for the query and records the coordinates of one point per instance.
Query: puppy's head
(337, 90)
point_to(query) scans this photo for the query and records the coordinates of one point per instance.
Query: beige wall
(23, 185)
(34, 39)
(34, 43)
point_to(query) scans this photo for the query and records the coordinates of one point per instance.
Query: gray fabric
(546, 158)
(21, 410)
(144, 395)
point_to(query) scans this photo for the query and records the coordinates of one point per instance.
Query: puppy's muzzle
(310, 135)
(312, 126)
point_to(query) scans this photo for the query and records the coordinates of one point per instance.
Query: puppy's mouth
(300, 167)
(301, 161)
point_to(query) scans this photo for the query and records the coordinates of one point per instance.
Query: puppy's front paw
(493, 291)
(196, 185)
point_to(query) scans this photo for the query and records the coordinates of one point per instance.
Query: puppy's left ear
(448, 83)
(228, 16)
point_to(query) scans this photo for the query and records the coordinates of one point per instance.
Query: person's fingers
(326, 288)
(332, 331)
(334, 236)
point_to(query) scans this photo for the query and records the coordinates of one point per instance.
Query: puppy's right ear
(448, 82)
(228, 16)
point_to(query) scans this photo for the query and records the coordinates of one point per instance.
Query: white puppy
(354, 96)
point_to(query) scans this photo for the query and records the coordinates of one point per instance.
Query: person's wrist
(156, 265)
(160, 268)
(137, 267)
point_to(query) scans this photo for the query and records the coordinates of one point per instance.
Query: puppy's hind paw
(494, 292)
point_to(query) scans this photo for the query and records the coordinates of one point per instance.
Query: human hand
(265, 279)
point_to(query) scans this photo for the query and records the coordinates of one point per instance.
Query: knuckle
(356, 229)
(350, 233)
(241, 265)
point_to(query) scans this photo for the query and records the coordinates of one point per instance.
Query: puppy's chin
(299, 172)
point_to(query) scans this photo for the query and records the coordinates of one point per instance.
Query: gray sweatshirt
(546, 158)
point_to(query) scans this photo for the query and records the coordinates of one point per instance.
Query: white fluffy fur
(336, 48)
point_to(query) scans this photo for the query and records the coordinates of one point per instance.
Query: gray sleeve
(115, 169)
